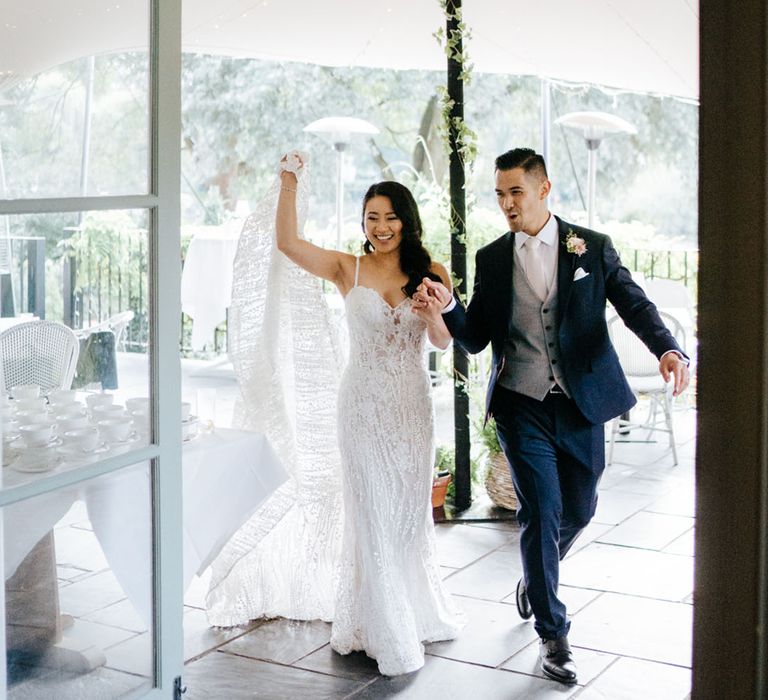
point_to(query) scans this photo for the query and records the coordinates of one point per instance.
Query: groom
(539, 298)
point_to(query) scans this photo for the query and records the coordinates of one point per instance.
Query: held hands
(429, 301)
(672, 367)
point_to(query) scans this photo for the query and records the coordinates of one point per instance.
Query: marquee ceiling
(649, 46)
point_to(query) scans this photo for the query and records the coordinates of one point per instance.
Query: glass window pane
(74, 339)
(78, 590)
(74, 100)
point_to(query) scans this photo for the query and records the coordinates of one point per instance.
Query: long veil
(287, 360)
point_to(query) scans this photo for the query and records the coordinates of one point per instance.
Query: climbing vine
(454, 44)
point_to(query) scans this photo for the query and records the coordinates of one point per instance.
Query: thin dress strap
(357, 268)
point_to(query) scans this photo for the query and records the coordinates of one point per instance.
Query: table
(7, 322)
(227, 475)
(206, 280)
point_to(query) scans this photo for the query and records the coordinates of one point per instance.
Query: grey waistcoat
(532, 353)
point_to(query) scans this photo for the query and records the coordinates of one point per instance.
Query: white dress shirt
(547, 250)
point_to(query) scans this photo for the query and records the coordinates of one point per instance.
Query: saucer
(53, 442)
(132, 437)
(44, 465)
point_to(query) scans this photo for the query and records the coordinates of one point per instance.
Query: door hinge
(178, 691)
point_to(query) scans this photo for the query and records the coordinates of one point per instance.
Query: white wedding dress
(390, 597)
(379, 584)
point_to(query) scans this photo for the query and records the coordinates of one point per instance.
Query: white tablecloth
(206, 280)
(227, 476)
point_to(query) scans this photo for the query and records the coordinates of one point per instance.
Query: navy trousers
(557, 458)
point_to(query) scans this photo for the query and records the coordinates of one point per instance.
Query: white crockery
(115, 429)
(71, 409)
(37, 434)
(104, 412)
(33, 404)
(189, 429)
(62, 397)
(40, 459)
(138, 403)
(25, 391)
(71, 422)
(94, 400)
(32, 417)
(86, 438)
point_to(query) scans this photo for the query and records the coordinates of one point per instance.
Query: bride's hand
(292, 162)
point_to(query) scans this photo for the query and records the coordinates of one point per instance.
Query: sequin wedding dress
(349, 538)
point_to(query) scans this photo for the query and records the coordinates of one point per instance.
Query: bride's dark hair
(415, 260)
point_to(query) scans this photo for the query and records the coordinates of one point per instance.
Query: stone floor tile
(101, 684)
(356, 666)
(647, 530)
(591, 532)
(200, 637)
(121, 614)
(642, 486)
(589, 663)
(640, 627)
(680, 501)
(493, 633)
(79, 548)
(219, 675)
(639, 572)
(683, 545)
(197, 590)
(132, 656)
(614, 507)
(505, 525)
(451, 680)
(90, 594)
(283, 641)
(459, 545)
(573, 598)
(83, 634)
(633, 679)
(493, 577)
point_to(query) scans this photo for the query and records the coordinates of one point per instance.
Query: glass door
(90, 486)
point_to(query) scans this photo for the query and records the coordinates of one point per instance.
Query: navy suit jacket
(589, 361)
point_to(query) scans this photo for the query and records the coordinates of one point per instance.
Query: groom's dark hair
(525, 158)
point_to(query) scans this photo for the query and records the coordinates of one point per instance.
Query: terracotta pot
(439, 487)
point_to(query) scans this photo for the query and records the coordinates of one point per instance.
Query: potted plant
(442, 475)
(498, 479)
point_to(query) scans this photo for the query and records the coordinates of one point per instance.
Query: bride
(388, 598)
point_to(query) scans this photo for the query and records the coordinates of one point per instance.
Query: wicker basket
(498, 482)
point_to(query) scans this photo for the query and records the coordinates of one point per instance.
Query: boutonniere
(574, 244)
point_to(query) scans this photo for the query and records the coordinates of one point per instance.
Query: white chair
(675, 298)
(642, 371)
(38, 352)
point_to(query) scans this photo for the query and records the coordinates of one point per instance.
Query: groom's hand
(672, 366)
(436, 290)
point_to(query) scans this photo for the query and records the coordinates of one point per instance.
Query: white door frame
(162, 204)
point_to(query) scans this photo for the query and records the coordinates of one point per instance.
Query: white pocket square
(579, 274)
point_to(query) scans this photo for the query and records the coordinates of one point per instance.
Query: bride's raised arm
(328, 264)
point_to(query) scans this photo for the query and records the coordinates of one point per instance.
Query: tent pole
(546, 104)
(455, 86)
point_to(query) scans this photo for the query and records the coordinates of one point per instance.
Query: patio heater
(594, 127)
(339, 130)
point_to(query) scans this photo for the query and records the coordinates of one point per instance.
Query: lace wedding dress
(390, 597)
(381, 585)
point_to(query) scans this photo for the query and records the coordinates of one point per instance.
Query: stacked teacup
(30, 432)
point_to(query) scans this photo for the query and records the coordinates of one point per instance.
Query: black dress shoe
(557, 661)
(523, 604)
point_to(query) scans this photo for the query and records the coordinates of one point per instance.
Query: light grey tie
(534, 267)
